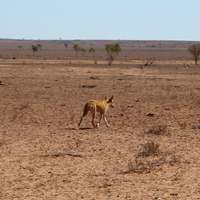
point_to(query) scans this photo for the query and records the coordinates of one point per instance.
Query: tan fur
(100, 106)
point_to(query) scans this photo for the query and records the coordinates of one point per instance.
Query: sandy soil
(45, 155)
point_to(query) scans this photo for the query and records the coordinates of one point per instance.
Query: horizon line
(166, 40)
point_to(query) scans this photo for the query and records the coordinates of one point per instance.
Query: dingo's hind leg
(80, 121)
(93, 111)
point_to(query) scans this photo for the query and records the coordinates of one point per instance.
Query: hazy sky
(100, 19)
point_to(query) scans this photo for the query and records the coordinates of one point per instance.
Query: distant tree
(35, 49)
(112, 50)
(40, 47)
(66, 45)
(20, 47)
(195, 51)
(77, 48)
(83, 51)
(92, 50)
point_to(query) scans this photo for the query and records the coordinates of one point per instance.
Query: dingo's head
(110, 102)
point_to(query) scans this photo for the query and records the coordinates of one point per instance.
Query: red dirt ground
(45, 155)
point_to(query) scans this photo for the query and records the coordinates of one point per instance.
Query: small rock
(150, 115)
(130, 106)
(94, 78)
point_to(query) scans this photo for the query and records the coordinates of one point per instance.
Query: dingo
(100, 106)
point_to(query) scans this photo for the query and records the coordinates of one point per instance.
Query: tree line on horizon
(114, 49)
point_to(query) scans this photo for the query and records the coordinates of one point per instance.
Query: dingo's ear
(106, 97)
(112, 97)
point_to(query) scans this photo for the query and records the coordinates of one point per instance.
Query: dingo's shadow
(86, 128)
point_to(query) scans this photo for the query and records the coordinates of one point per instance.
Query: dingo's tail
(85, 112)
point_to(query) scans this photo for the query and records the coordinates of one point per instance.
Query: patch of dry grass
(159, 130)
(151, 149)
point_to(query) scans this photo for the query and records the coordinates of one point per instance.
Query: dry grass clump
(159, 130)
(151, 149)
(143, 162)
(152, 159)
(18, 112)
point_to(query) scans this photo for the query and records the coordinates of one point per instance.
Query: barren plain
(151, 150)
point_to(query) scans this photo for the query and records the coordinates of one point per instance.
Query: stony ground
(151, 150)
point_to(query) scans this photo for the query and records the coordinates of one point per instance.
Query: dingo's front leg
(99, 120)
(106, 121)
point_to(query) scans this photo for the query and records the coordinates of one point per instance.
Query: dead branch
(149, 61)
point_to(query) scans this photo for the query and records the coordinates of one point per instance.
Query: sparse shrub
(14, 57)
(152, 159)
(150, 149)
(140, 166)
(159, 130)
(195, 51)
(142, 163)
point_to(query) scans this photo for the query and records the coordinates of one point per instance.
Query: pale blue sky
(100, 19)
